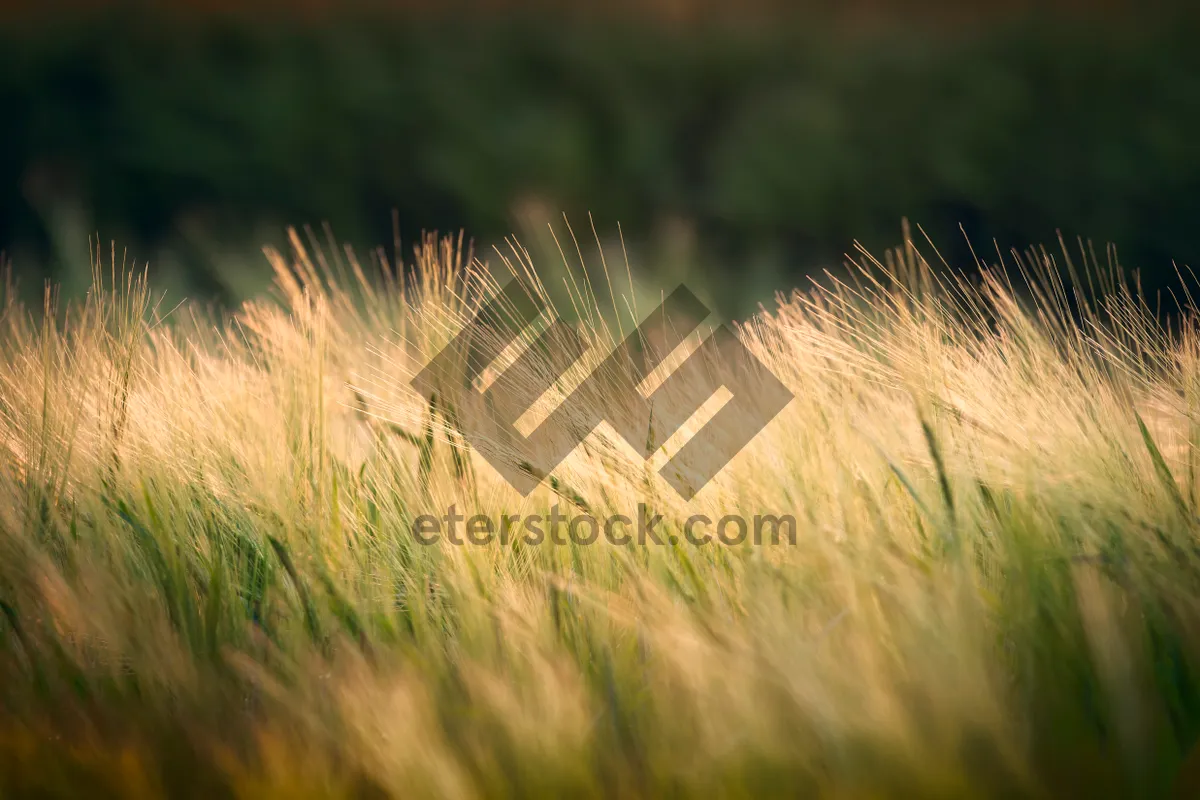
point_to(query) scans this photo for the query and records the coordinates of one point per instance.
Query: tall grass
(209, 584)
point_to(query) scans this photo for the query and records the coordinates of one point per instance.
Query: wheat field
(209, 584)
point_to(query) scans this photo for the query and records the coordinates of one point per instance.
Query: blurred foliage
(783, 143)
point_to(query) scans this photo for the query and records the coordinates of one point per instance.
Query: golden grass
(209, 583)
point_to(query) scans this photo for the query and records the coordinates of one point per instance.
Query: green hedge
(791, 141)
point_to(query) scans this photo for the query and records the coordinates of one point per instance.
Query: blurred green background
(753, 143)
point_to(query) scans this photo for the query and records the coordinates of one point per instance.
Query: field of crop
(210, 584)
